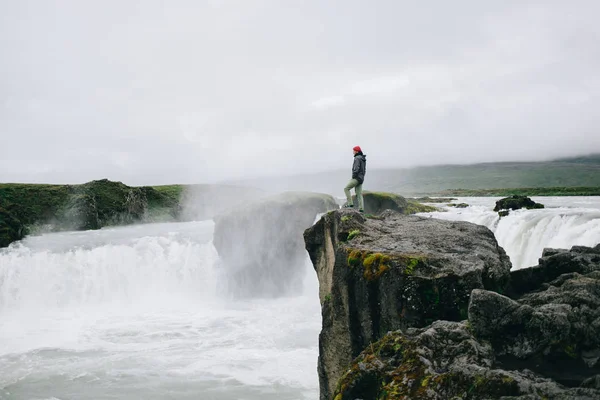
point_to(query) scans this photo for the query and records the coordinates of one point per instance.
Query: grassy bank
(92, 205)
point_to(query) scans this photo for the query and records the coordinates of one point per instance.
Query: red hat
(356, 148)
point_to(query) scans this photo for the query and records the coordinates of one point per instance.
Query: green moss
(571, 351)
(375, 265)
(328, 297)
(393, 368)
(354, 257)
(345, 218)
(410, 266)
(353, 234)
(411, 261)
(415, 207)
(174, 192)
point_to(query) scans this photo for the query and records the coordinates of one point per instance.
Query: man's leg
(359, 196)
(352, 184)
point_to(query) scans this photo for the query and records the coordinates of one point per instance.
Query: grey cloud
(198, 91)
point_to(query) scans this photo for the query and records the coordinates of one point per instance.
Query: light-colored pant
(353, 184)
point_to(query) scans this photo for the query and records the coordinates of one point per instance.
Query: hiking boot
(361, 211)
(348, 205)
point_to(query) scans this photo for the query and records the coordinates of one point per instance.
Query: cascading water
(136, 312)
(524, 234)
(140, 311)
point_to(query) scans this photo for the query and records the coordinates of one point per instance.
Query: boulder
(516, 203)
(260, 244)
(503, 213)
(440, 362)
(552, 264)
(378, 202)
(394, 272)
(559, 325)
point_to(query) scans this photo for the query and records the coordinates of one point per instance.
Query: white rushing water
(565, 222)
(140, 312)
(137, 313)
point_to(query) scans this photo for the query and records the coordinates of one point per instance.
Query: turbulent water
(566, 221)
(142, 312)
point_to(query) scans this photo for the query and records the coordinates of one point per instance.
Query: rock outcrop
(32, 208)
(554, 318)
(516, 202)
(11, 229)
(393, 290)
(261, 246)
(444, 361)
(378, 202)
(552, 264)
(394, 272)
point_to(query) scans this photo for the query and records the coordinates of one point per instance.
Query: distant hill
(581, 171)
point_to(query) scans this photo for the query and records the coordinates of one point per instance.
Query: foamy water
(137, 312)
(565, 222)
(143, 312)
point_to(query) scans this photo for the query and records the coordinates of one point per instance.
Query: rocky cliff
(260, 244)
(394, 272)
(31, 208)
(415, 308)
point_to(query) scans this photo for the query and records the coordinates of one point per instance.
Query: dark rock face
(394, 272)
(11, 228)
(444, 361)
(261, 243)
(556, 326)
(378, 202)
(552, 264)
(516, 203)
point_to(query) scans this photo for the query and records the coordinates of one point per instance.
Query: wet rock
(378, 202)
(552, 264)
(443, 361)
(503, 213)
(394, 272)
(458, 205)
(559, 325)
(516, 203)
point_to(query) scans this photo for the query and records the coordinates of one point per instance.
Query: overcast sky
(151, 92)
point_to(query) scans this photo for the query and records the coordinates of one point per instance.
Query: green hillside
(582, 172)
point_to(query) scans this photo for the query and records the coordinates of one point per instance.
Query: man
(359, 169)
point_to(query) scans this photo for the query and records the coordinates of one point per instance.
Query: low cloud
(199, 92)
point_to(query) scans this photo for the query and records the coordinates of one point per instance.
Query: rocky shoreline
(420, 308)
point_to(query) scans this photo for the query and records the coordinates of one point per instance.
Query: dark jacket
(359, 168)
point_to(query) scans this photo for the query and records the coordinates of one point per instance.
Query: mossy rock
(378, 202)
(11, 228)
(414, 207)
(75, 207)
(458, 205)
(440, 362)
(516, 203)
